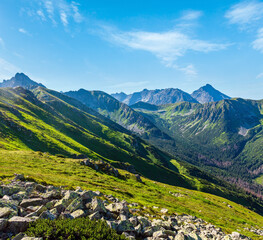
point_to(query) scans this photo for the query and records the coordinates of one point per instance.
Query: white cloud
(22, 30)
(191, 15)
(258, 43)
(167, 46)
(41, 15)
(60, 9)
(2, 43)
(259, 76)
(245, 13)
(7, 69)
(64, 18)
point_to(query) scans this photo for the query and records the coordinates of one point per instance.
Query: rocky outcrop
(25, 202)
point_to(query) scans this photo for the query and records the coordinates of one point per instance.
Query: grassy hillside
(49, 121)
(223, 137)
(68, 172)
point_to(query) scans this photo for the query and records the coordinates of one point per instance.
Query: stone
(112, 224)
(138, 178)
(31, 238)
(40, 188)
(18, 224)
(78, 213)
(97, 205)
(147, 232)
(3, 224)
(66, 200)
(160, 234)
(53, 194)
(144, 221)
(95, 216)
(164, 210)
(180, 236)
(87, 195)
(125, 226)
(117, 207)
(19, 177)
(47, 215)
(31, 202)
(5, 211)
(19, 236)
(75, 205)
(19, 196)
(134, 221)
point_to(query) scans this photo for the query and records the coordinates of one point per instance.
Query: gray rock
(180, 236)
(31, 202)
(18, 224)
(47, 215)
(78, 213)
(87, 195)
(112, 224)
(144, 221)
(97, 205)
(95, 216)
(118, 207)
(75, 205)
(125, 226)
(3, 224)
(5, 211)
(134, 221)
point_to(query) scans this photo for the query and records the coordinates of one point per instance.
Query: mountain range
(204, 94)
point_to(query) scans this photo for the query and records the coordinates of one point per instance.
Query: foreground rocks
(23, 202)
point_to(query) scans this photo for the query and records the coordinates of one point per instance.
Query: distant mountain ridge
(21, 80)
(207, 94)
(204, 94)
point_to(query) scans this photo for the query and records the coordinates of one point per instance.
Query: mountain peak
(21, 80)
(208, 93)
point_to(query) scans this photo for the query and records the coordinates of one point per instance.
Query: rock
(75, 205)
(118, 207)
(97, 205)
(144, 222)
(128, 236)
(31, 238)
(5, 211)
(125, 226)
(134, 221)
(195, 236)
(47, 215)
(87, 195)
(3, 224)
(19, 236)
(40, 188)
(65, 216)
(53, 194)
(147, 232)
(66, 200)
(160, 234)
(95, 216)
(19, 196)
(31, 202)
(18, 224)
(19, 177)
(78, 214)
(123, 217)
(164, 210)
(112, 224)
(138, 178)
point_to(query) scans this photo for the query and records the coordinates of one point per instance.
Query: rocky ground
(22, 202)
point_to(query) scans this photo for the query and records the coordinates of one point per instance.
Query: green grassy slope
(52, 122)
(68, 172)
(226, 135)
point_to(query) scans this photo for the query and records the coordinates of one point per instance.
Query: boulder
(87, 195)
(5, 212)
(144, 221)
(75, 205)
(118, 207)
(180, 236)
(97, 205)
(31, 202)
(134, 221)
(125, 226)
(18, 224)
(47, 215)
(95, 216)
(3, 224)
(78, 213)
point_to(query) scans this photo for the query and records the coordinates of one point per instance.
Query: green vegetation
(49, 169)
(73, 229)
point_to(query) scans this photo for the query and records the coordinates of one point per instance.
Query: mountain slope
(48, 121)
(117, 112)
(157, 97)
(207, 94)
(223, 137)
(21, 80)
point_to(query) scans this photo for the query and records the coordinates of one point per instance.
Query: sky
(127, 46)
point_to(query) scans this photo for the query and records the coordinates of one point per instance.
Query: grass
(68, 172)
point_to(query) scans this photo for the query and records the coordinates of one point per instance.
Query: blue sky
(123, 45)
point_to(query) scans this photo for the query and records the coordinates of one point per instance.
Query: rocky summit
(23, 202)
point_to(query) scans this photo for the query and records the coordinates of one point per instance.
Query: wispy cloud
(260, 75)
(2, 43)
(258, 43)
(245, 13)
(191, 15)
(7, 69)
(41, 14)
(22, 30)
(167, 46)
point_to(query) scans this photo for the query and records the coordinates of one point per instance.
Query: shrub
(73, 229)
